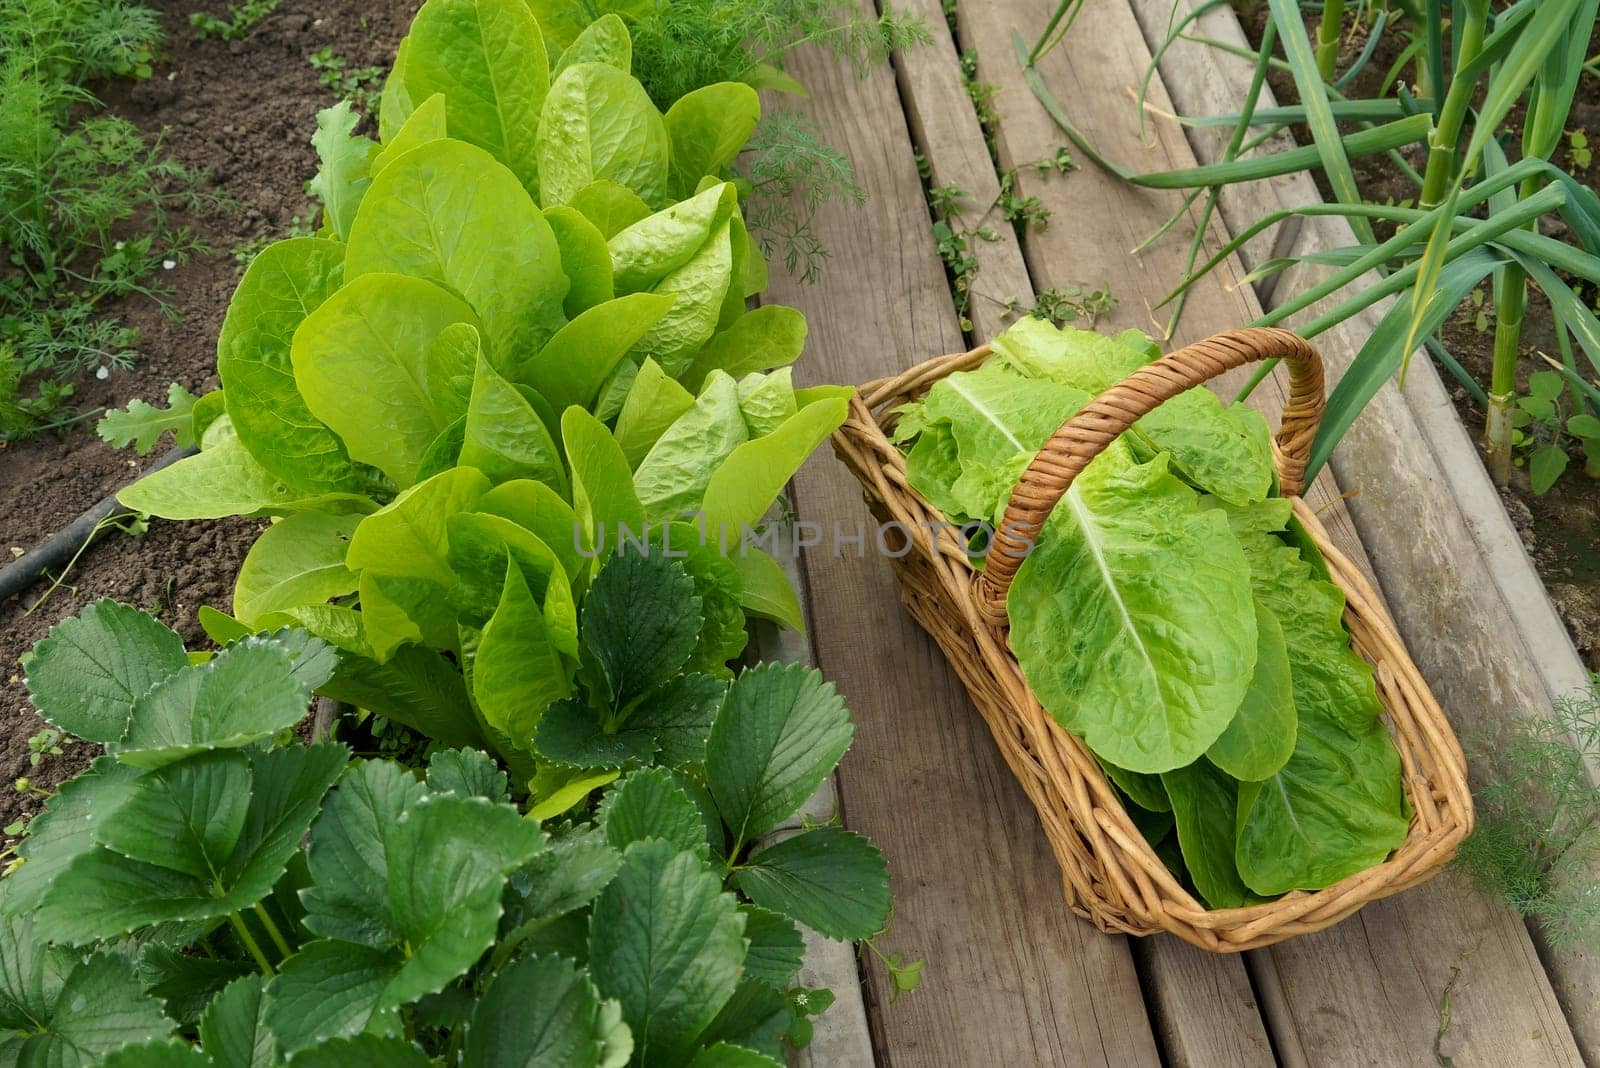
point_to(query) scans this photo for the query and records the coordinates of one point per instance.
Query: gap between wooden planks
(1204, 1010)
(1370, 989)
(1012, 977)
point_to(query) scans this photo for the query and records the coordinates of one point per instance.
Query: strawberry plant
(212, 890)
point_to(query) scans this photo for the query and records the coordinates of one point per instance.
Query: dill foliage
(685, 44)
(85, 200)
(1537, 840)
(680, 46)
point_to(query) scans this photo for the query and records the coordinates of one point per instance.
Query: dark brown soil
(243, 111)
(1560, 528)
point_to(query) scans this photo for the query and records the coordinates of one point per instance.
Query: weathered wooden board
(1203, 1007)
(1008, 980)
(1424, 498)
(840, 1037)
(944, 128)
(1375, 983)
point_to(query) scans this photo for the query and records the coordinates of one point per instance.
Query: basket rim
(1441, 811)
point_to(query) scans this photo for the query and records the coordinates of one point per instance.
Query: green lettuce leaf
(282, 285)
(573, 366)
(1132, 618)
(423, 125)
(1261, 736)
(605, 40)
(488, 59)
(763, 338)
(346, 170)
(1204, 800)
(1337, 806)
(649, 247)
(654, 402)
(447, 212)
(225, 479)
(673, 477)
(1222, 450)
(584, 258)
(598, 122)
(297, 561)
(378, 363)
(707, 128)
(504, 437)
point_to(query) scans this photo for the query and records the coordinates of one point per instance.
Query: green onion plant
(1486, 90)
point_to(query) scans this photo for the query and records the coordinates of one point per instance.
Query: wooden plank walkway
(1012, 977)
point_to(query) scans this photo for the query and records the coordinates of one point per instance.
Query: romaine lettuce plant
(215, 891)
(520, 339)
(1175, 616)
(681, 48)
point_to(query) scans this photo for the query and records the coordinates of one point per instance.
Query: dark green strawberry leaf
(468, 772)
(186, 984)
(245, 694)
(776, 947)
(649, 803)
(347, 857)
(368, 1051)
(102, 894)
(666, 941)
(545, 1011)
(58, 1008)
(327, 989)
(830, 879)
(85, 675)
(233, 1031)
(641, 621)
(679, 716)
(186, 817)
(572, 733)
(779, 734)
(756, 1017)
(66, 829)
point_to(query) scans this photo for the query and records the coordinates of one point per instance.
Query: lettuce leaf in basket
(1336, 807)
(1220, 449)
(1132, 618)
(976, 431)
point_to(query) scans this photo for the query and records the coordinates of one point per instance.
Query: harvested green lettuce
(1336, 806)
(1222, 450)
(1175, 617)
(1132, 617)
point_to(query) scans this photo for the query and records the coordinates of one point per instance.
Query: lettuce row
(1169, 615)
(214, 891)
(520, 337)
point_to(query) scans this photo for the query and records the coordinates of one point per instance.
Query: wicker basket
(1111, 875)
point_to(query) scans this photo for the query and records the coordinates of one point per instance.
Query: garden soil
(243, 112)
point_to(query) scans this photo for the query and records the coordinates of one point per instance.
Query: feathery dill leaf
(680, 46)
(793, 172)
(1537, 839)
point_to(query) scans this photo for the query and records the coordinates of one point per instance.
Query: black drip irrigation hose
(62, 546)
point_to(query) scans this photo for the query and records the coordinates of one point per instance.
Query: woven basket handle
(1088, 433)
